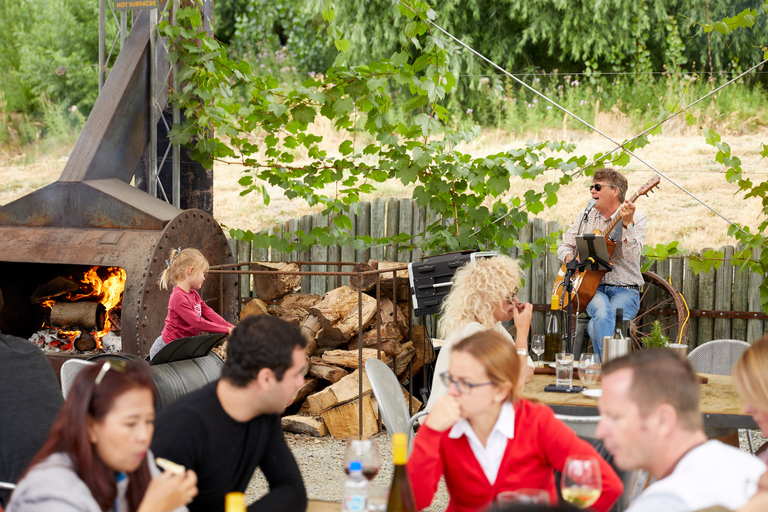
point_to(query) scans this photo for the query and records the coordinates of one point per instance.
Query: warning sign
(127, 5)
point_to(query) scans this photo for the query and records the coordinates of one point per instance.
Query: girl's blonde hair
(178, 264)
(478, 288)
(750, 374)
(497, 355)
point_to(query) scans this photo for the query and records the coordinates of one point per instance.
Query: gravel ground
(321, 461)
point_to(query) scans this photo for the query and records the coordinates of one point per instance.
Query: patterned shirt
(625, 256)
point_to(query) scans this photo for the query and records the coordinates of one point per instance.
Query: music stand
(593, 253)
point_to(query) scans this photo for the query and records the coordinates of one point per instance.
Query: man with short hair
(650, 419)
(619, 288)
(228, 428)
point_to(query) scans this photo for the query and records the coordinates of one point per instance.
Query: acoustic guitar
(586, 282)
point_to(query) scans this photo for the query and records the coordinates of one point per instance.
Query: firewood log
(318, 368)
(390, 339)
(338, 313)
(299, 300)
(254, 307)
(277, 285)
(309, 386)
(304, 425)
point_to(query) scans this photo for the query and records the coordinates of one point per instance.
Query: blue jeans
(602, 312)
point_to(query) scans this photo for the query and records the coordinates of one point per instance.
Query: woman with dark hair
(97, 457)
(484, 439)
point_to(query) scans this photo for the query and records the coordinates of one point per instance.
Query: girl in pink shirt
(188, 314)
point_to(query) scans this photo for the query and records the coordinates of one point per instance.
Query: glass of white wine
(537, 347)
(589, 368)
(581, 484)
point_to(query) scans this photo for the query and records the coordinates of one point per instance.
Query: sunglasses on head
(112, 364)
(599, 186)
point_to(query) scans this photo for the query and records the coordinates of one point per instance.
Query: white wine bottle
(234, 502)
(401, 493)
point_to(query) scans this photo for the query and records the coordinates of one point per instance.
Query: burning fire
(109, 292)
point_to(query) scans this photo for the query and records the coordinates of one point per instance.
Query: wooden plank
(284, 235)
(513, 251)
(755, 327)
(305, 225)
(378, 225)
(724, 294)
(406, 226)
(691, 295)
(232, 242)
(393, 227)
(363, 228)
(419, 227)
(524, 294)
(662, 270)
(706, 301)
(244, 255)
(318, 253)
(740, 300)
(538, 287)
(553, 265)
(257, 253)
(676, 280)
(347, 251)
(334, 254)
(293, 227)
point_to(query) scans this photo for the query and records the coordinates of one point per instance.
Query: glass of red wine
(367, 452)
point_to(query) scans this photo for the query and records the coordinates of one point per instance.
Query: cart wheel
(660, 301)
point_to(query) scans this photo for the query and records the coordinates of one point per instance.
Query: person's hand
(522, 319)
(444, 414)
(627, 213)
(169, 491)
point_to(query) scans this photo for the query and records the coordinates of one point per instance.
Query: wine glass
(539, 496)
(589, 368)
(581, 483)
(537, 347)
(366, 451)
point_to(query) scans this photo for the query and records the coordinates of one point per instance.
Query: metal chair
(69, 370)
(393, 407)
(717, 357)
(634, 481)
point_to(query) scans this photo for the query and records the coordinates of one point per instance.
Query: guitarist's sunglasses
(599, 187)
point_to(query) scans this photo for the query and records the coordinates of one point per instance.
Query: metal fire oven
(92, 216)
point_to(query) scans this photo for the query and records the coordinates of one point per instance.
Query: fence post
(318, 253)
(755, 327)
(347, 251)
(525, 293)
(539, 294)
(363, 228)
(706, 301)
(691, 295)
(723, 294)
(419, 226)
(406, 226)
(740, 299)
(305, 223)
(378, 224)
(393, 227)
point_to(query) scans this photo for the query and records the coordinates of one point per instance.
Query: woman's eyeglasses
(463, 386)
(599, 187)
(512, 298)
(112, 364)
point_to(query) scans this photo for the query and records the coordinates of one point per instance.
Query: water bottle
(355, 489)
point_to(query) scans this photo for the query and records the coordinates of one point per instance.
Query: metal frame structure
(158, 96)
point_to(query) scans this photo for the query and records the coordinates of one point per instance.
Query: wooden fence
(724, 303)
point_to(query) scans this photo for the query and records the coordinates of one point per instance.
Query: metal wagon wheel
(660, 301)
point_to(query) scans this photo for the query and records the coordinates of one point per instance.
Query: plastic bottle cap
(355, 466)
(553, 302)
(400, 448)
(234, 501)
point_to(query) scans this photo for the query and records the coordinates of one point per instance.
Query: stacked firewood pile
(330, 399)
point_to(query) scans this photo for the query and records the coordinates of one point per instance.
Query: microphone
(590, 205)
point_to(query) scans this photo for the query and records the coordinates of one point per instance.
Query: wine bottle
(553, 337)
(234, 502)
(617, 330)
(400, 494)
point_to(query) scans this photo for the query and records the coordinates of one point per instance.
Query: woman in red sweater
(484, 440)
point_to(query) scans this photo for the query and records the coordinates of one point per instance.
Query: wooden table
(323, 506)
(720, 404)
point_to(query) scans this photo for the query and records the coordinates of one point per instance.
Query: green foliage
(656, 338)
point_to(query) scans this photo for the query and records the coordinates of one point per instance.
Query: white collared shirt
(490, 455)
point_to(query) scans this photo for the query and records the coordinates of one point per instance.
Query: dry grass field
(673, 213)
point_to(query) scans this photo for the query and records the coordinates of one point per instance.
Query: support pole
(152, 102)
(102, 42)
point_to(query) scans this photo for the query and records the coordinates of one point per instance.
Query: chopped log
(387, 314)
(56, 287)
(388, 281)
(309, 329)
(86, 314)
(343, 421)
(390, 339)
(309, 386)
(299, 301)
(304, 425)
(346, 388)
(339, 316)
(293, 316)
(403, 358)
(322, 370)
(277, 285)
(254, 307)
(368, 281)
(425, 353)
(349, 358)
(85, 342)
(415, 403)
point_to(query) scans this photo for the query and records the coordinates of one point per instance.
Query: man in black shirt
(228, 428)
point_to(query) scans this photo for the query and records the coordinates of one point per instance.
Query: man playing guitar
(620, 288)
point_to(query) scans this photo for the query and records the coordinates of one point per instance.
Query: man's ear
(265, 378)
(664, 419)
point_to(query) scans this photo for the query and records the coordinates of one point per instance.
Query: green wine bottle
(400, 494)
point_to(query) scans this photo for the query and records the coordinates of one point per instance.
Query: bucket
(615, 347)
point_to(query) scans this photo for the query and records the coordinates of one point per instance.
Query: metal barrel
(178, 378)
